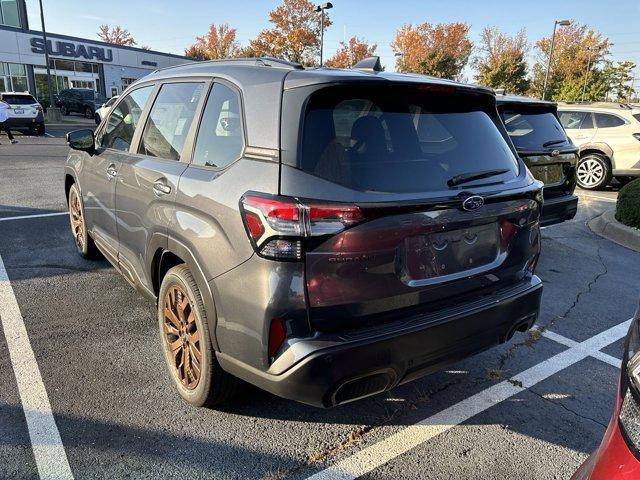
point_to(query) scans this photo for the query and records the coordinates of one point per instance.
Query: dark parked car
(80, 100)
(618, 457)
(542, 143)
(324, 234)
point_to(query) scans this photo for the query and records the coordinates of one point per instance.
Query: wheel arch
(69, 180)
(176, 254)
(599, 149)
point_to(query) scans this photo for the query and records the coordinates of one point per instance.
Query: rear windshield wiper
(553, 142)
(469, 177)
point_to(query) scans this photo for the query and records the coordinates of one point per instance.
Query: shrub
(628, 205)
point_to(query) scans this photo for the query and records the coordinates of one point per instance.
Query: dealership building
(74, 62)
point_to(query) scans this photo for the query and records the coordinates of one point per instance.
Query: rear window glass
(19, 99)
(533, 130)
(401, 139)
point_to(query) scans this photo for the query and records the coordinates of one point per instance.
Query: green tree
(502, 63)
(576, 46)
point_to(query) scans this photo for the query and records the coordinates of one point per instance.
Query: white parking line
(604, 199)
(36, 215)
(605, 357)
(49, 135)
(48, 450)
(399, 443)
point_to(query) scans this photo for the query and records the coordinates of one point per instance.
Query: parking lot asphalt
(534, 407)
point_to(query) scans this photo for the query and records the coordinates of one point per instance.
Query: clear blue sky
(170, 25)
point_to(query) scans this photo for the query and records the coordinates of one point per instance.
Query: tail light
(39, 108)
(636, 136)
(276, 225)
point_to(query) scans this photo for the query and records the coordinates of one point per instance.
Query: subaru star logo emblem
(472, 203)
(555, 153)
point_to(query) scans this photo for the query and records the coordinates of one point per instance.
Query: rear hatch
(412, 200)
(22, 106)
(542, 143)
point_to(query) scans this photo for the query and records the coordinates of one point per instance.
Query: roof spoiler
(369, 64)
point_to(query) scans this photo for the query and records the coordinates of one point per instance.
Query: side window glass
(571, 120)
(170, 119)
(587, 121)
(220, 139)
(121, 124)
(604, 120)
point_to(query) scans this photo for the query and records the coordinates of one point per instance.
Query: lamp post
(53, 113)
(321, 8)
(553, 38)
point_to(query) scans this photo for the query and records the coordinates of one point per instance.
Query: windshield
(534, 130)
(19, 99)
(401, 139)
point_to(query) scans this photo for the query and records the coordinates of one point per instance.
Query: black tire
(96, 117)
(40, 129)
(84, 243)
(624, 180)
(88, 113)
(215, 387)
(64, 110)
(593, 171)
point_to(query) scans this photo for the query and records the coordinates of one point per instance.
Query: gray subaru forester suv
(323, 234)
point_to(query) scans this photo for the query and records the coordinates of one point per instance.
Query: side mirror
(82, 140)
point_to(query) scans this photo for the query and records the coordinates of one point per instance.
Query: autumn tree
(619, 80)
(440, 50)
(295, 34)
(218, 42)
(351, 52)
(575, 47)
(116, 35)
(501, 62)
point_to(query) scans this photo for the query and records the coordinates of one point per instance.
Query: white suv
(24, 112)
(608, 136)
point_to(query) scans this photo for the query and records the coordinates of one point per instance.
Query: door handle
(111, 171)
(161, 188)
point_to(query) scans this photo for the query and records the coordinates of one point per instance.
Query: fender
(601, 146)
(181, 250)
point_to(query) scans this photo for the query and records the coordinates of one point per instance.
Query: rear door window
(605, 120)
(401, 139)
(170, 120)
(220, 135)
(533, 129)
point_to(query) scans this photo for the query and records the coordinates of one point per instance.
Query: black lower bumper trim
(557, 210)
(338, 374)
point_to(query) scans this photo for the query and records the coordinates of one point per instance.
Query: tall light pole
(553, 39)
(321, 8)
(52, 111)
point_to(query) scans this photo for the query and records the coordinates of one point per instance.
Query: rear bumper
(328, 376)
(25, 122)
(612, 461)
(559, 209)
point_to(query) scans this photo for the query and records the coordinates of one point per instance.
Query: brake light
(636, 136)
(39, 108)
(277, 224)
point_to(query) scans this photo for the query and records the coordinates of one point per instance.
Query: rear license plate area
(548, 174)
(18, 111)
(445, 253)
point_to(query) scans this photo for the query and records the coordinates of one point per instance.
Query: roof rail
(250, 61)
(369, 64)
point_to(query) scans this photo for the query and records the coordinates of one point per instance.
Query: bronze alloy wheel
(181, 336)
(77, 220)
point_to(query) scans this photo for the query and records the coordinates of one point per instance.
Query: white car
(24, 112)
(104, 109)
(608, 135)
